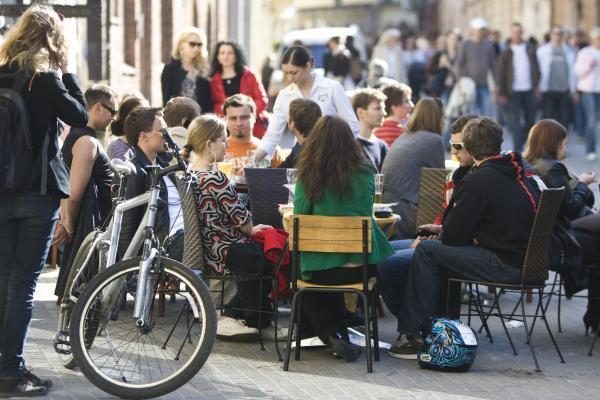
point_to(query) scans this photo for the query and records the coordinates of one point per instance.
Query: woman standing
(335, 183)
(184, 75)
(297, 64)
(230, 75)
(32, 53)
(421, 146)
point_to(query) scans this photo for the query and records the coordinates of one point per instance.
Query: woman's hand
(259, 227)
(61, 235)
(588, 177)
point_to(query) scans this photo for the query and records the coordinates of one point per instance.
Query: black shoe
(20, 387)
(343, 349)
(406, 348)
(35, 380)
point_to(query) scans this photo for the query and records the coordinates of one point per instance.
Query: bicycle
(150, 355)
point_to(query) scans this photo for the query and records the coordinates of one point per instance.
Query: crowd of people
(336, 142)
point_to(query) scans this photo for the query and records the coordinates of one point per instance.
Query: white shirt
(327, 93)
(175, 207)
(521, 68)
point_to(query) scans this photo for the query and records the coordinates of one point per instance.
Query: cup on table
(291, 174)
(225, 167)
(378, 188)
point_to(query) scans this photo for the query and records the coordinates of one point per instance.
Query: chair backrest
(322, 234)
(431, 194)
(266, 192)
(193, 252)
(535, 267)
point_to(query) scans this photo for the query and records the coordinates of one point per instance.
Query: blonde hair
(203, 129)
(200, 62)
(36, 43)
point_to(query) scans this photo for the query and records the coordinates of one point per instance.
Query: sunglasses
(195, 44)
(112, 111)
(457, 145)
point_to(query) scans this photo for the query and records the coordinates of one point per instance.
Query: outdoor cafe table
(387, 224)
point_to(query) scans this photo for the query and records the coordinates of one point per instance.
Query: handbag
(566, 259)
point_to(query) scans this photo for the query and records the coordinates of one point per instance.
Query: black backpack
(16, 145)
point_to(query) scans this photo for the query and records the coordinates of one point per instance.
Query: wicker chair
(431, 194)
(193, 257)
(339, 235)
(535, 271)
(266, 192)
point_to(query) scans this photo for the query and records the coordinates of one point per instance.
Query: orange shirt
(241, 150)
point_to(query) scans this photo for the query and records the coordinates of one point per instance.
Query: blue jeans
(392, 274)
(520, 104)
(431, 265)
(591, 107)
(483, 102)
(26, 227)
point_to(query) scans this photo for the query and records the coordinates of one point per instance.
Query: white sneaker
(591, 157)
(235, 330)
(268, 333)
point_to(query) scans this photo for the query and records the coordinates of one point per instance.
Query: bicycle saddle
(122, 167)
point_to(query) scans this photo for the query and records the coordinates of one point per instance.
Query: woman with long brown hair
(420, 147)
(546, 150)
(334, 179)
(31, 56)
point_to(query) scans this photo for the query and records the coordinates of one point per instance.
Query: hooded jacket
(494, 207)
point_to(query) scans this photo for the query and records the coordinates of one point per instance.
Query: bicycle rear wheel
(132, 362)
(84, 268)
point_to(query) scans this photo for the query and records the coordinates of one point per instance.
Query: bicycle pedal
(62, 339)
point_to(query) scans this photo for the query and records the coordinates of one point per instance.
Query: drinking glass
(378, 188)
(291, 174)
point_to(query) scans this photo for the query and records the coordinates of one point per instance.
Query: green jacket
(360, 203)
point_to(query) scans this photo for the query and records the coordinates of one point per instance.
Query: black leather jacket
(171, 79)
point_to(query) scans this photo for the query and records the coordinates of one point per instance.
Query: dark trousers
(432, 264)
(520, 116)
(26, 227)
(246, 260)
(556, 105)
(325, 311)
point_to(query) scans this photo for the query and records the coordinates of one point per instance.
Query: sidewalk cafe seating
(266, 192)
(314, 233)
(534, 275)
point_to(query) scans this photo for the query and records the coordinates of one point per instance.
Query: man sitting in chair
(484, 235)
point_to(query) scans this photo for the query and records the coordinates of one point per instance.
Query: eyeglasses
(457, 145)
(112, 111)
(195, 44)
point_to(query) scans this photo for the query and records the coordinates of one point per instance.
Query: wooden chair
(431, 195)
(266, 192)
(321, 234)
(535, 272)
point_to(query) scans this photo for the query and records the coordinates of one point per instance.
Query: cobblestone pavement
(242, 371)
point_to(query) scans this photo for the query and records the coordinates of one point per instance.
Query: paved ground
(242, 371)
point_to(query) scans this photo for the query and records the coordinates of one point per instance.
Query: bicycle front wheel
(150, 361)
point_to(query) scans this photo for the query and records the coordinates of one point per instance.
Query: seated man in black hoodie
(484, 235)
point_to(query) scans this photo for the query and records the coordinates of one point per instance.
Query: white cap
(478, 23)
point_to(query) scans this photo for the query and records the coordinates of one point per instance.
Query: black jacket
(138, 184)
(578, 197)
(495, 204)
(171, 79)
(49, 98)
